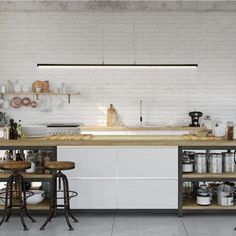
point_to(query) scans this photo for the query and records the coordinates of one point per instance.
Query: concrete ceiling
(122, 5)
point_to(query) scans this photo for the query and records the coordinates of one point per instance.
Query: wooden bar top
(115, 140)
(139, 128)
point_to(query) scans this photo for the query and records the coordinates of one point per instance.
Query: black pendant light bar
(117, 65)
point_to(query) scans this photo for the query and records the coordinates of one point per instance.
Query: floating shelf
(69, 94)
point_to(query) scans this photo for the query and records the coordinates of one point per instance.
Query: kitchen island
(125, 171)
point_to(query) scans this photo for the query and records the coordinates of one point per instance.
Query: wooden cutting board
(111, 116)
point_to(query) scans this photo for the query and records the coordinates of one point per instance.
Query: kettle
(3, 120)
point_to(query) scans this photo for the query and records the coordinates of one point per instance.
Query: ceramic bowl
(36, 198)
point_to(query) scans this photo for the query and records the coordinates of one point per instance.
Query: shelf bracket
(69, 98)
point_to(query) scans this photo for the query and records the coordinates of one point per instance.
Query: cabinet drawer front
(90, 162)
(147, 194)
(148, 162)
(94, 194)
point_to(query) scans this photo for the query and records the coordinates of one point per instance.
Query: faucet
(141, 111)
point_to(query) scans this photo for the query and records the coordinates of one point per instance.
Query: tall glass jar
(230, 130)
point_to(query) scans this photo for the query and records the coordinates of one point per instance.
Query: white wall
(206, 38)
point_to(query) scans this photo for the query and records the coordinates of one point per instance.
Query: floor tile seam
(185, 229)
(113, 223)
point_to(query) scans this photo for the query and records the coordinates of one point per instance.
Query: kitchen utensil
(15, 102)
(228, 162)
(111, 116)
(34, 104)
(36, 198)
(223, 191)
(1, 102)
(26, 101)
(200, 162)
(215, 163)
(3, 120)
(218, 129)
(203, 196)
(187, 164)
(195, 115)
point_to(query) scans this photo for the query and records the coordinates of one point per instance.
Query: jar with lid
(204, 196)
(230, 130)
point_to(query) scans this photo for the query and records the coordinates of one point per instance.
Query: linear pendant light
(173, 66)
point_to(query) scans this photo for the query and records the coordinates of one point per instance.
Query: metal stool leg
(25, 205)
(9, 196)
(19, 182)
(66, 200)
(68, 203)
(8, 199)
(52, 202)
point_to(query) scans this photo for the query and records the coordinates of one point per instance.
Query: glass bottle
(230, 130)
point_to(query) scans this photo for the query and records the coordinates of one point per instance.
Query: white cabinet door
(148, 178)
(89, 161)
(94, 194)
(148, 194)
(94, 176)
(148, 162)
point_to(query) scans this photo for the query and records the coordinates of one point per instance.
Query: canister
(200, 162)
(215, 163)
(228, 162)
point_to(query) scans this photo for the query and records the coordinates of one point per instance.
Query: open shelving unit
(189, 205)
(31, 177)
(31, 93)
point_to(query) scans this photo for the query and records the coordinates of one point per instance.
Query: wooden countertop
(139, 128)
(117, 140)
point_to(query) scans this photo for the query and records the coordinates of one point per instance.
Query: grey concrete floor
(128, 225)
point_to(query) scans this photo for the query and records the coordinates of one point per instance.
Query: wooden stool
(15, 184)
(59, 166)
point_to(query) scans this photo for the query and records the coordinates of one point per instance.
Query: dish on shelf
(26, 101)
(34, 131)
(16, 102)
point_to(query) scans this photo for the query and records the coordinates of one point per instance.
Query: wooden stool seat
(15, 165)
(59, 165)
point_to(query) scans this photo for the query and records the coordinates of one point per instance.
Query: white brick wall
(206, 38)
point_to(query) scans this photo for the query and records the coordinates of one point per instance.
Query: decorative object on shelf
(37, 84)
(230, 130)
(46, 86)
(17, 87)
(111, 116)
